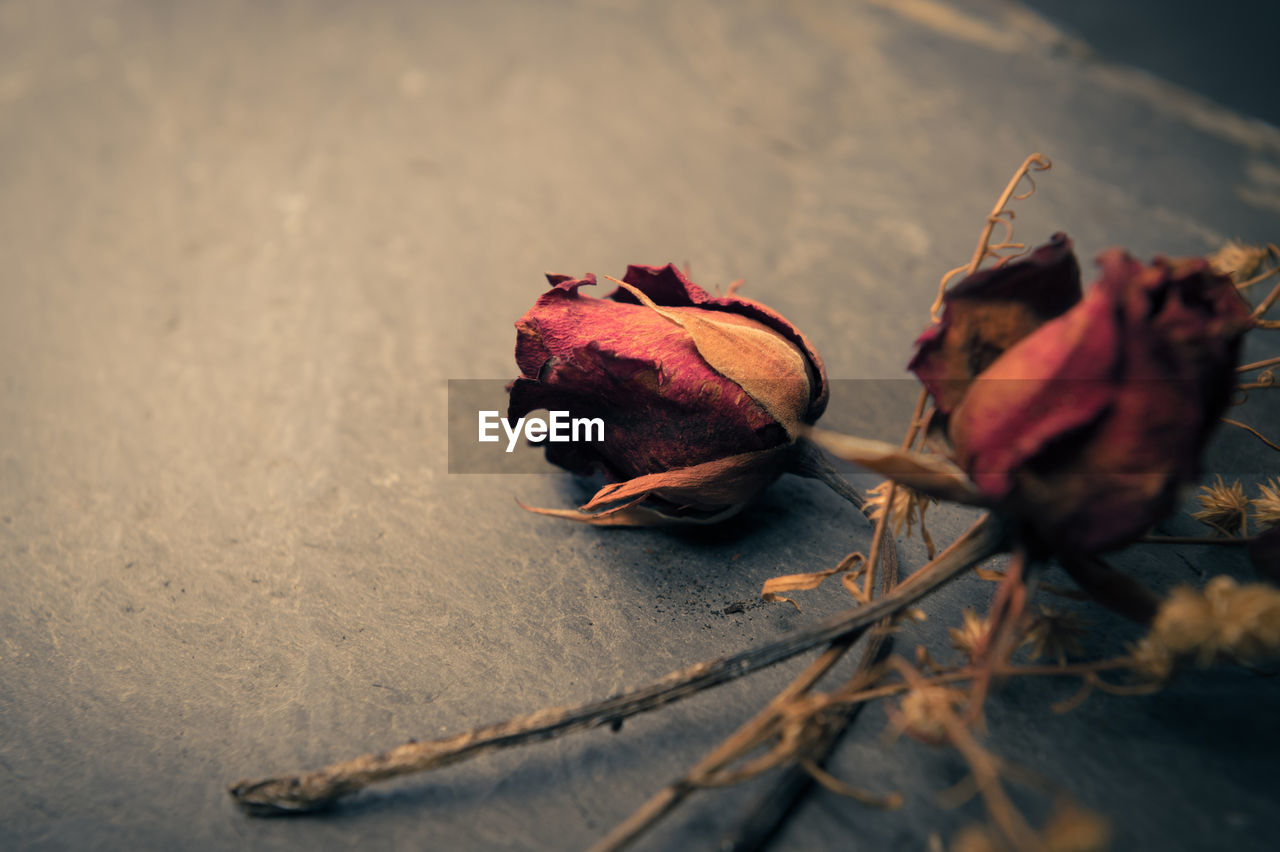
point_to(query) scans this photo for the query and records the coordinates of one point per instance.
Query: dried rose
(988, 312)
(1087, 426)
(702, 397)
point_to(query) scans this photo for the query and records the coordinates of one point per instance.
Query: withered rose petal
(988, 312)
(668, 286)
(665, 408)
(1087, 427)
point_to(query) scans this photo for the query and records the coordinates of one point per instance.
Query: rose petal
(667, 286)
(988, 312)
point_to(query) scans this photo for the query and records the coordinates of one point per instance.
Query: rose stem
(1193, 539)
(766, 814)
(1265, 304)
(774, 806)
(313, 790)
(1258, 365)
(745, 738)
(1261, 276)
(1117, 591)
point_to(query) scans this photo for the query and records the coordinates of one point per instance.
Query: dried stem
(1258, 365)
(1195, 539)
(309, 791)
(1117, 591)
(1038, 162)
(745, 738)
(1265, 304)
(764, 723)
(1263, 438)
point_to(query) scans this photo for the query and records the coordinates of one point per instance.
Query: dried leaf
(931, 474)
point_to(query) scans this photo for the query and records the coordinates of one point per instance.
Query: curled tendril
(1000, 214)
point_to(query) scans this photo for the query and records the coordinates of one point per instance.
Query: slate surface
(244, 248)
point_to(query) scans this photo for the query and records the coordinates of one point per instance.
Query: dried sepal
(925, 472)
(1223, 507)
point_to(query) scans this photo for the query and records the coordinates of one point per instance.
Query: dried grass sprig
(1266, 506)
(1223, 622)
(1223, 507)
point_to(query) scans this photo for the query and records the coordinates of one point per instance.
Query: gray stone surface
(243, 247)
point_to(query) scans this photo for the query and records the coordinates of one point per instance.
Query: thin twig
(1195, 539)
(1265, 304)
(310, 791)
(1263, 438)
(1258, 365)
(985, 768)
(1037, 161)
(758, 728)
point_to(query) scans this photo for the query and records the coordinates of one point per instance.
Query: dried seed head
(1223, 507)
(901, 511)
(1238, 260)
(977, 838)
(1224, 622)
(967, 638)
(1056, 634)
(921, 712)
(908, 509)
(1069, 829)
(1074, 829)
(1266, 506)
(1152, 660)
(1247, 619)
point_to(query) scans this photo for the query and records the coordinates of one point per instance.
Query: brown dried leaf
(927, 473)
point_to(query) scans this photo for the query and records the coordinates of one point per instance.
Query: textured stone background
(243, 247)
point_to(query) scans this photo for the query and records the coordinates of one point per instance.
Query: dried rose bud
(988, 312)
(701, 396)
(1087, 426)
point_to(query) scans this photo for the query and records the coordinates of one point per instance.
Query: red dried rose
(1087, 426)
(701, 396)
(988, 312)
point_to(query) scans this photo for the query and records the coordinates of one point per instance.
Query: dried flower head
(972, 632)
(1055, 634)
(1225, 621)
(1266, 506)
(703, 396)
(1088, 427)
(1237, 260)
(921, 712)
(1074, 829)
(908, 509)
(1223, 507)
(1070, 829)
